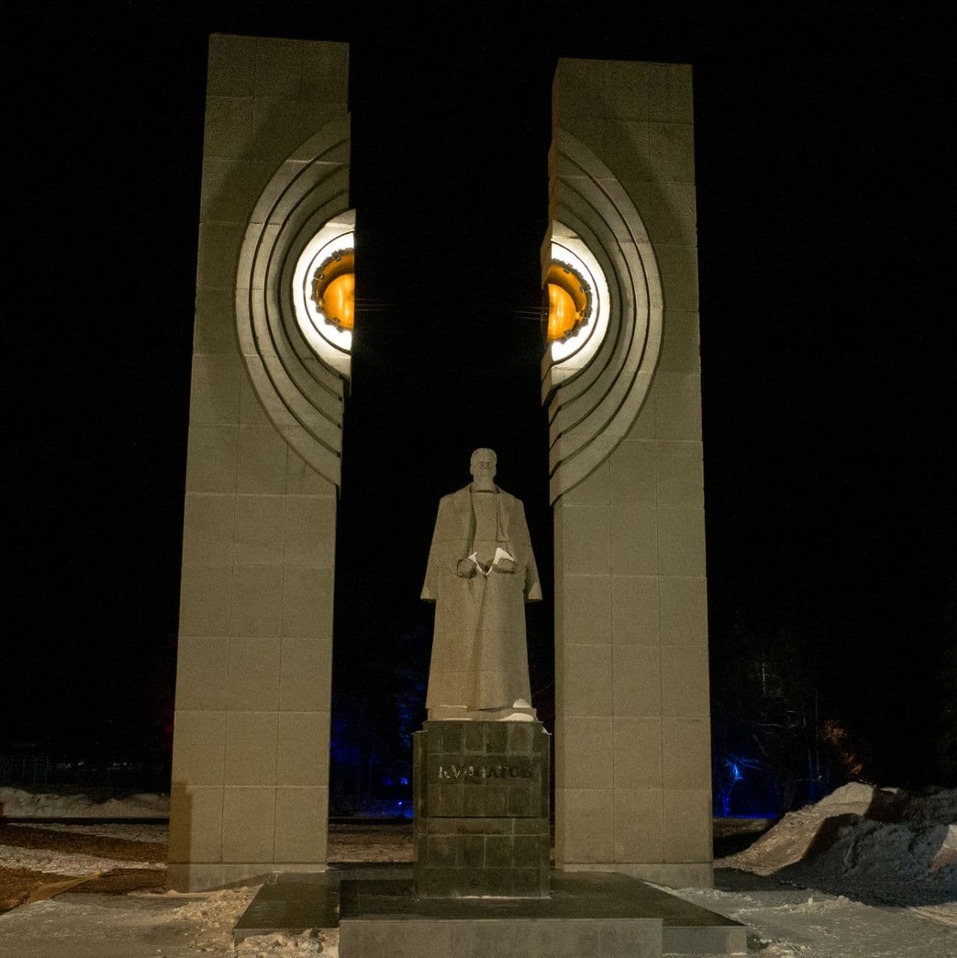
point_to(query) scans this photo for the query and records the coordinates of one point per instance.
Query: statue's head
(482, 465)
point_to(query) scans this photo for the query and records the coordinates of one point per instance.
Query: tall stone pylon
(251, 740)
(622, 384)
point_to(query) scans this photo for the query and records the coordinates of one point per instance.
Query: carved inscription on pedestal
(481, 809)
(478, 774)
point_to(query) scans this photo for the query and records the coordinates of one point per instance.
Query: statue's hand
(505, 565)
(465, 568)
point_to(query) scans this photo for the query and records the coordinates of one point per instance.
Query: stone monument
(622, 384)
(250, 778)
(481, 572)
(482, 760)
(621, 380)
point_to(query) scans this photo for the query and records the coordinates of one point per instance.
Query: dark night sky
(824, 167)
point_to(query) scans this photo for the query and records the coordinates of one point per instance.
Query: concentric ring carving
(301, 391)
(593, 403)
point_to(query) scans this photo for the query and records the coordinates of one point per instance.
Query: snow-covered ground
(17, 803)
(864, 873)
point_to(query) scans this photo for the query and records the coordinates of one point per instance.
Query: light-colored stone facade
(251, 743)
(251, 740)
(633, 769)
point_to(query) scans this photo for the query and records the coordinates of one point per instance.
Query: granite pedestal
(481, 809)
(601, 915)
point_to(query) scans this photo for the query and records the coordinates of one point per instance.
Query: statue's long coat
(479, 654)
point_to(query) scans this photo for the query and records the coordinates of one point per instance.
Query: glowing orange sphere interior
(568, 302)
(334, 288)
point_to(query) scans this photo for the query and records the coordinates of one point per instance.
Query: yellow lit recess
(569, 302)
(334, 288)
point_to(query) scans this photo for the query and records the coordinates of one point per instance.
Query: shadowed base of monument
(481, 809)
(482, 883)
(599, 914)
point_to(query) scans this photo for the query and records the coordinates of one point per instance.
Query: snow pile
(210, 915)
(310, 944)
(16, 803)
(791, 839)
(880, 843)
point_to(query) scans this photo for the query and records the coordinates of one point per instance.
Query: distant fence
(101, 778)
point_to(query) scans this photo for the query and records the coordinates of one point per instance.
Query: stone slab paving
(587, 913)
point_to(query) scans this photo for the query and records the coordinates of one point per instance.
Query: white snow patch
(787, 923)
(139, 832)
(16, 803)
(60, 863)
(313, 943)
(210, 908)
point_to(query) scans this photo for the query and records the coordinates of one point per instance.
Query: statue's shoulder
(508, 499)
(455, 499)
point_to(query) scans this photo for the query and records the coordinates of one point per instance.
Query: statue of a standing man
(481, 573)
